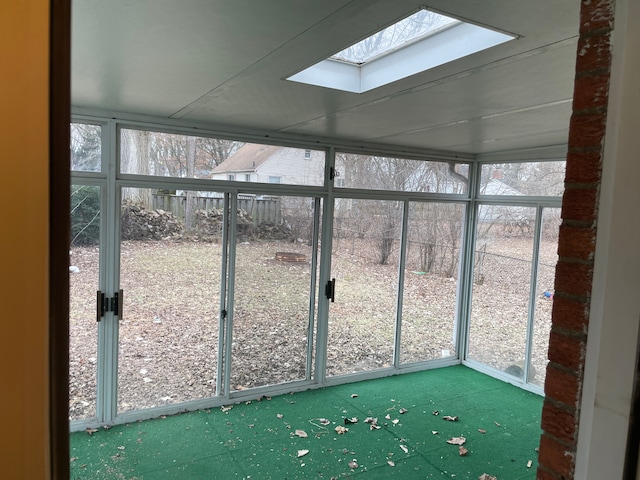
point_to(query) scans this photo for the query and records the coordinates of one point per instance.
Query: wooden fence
(264, 209)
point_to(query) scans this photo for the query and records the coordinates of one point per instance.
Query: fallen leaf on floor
(340, 430)
(301, 433)
(91, 431)
(374, 426)
(482, 430)
(371, 420)
(391, 463)
(450, 418)
(463, 451)
(436, 413)
(279, 415)
(350, 420)
(226, 408)
(387, 416)
(529, 463)
(395, 421)
(457, 440)
(497, 424)
(353, 464)
(486, 476)
(434, 432)
(302, 453)
(402, 410)
(404, 448)
(354, 395)
(324, 421)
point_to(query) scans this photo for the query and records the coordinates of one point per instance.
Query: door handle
(330, 290)
(114, 304)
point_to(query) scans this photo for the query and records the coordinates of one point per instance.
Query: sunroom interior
(249, 233)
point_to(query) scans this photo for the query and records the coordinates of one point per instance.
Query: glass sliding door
(503, 258)
(364, 262)
(548, 257)
(274, 290)
(171, 254)
(430, 281)
(84, 273)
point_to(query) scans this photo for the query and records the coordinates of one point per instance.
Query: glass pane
(407, 30)
(398, 174)
(544, 292)
(272, 164)
(272, 294)
(170, 274)
(86, 147)
(533, 178)
(430, 284)
(173, 155)
(365, 265)
(84, 283)
(502, 278)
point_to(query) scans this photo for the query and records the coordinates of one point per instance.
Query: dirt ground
(169, 334)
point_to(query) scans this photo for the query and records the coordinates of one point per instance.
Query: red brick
(596, 15)
(594, 53)
(577, 242)
(580, 204)
(567, 351)
(587, 130)
(583, 167)
(559, 422)
(570, 314)
(574, 278)
(556, 457)
(562, 387)
(591, 91)
(543, 474)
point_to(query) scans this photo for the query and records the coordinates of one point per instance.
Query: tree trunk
(189, 209)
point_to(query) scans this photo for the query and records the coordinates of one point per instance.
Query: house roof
(498, 187)
(247, 159)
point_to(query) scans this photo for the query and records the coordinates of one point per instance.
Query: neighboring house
(519, 218)
(271, 164)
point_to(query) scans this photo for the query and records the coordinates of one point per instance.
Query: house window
(307, 154)
(231, 177)
(247, 177)
(274, 179)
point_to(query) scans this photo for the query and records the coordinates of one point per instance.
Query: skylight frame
(451, 42)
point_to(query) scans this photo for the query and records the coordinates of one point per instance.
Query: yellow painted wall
(24, 153)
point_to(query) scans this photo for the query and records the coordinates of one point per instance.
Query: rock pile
(139, 223)
(208, 223)
(271, 231)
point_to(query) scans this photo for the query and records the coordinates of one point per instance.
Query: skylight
(408, 30)
(415, 44)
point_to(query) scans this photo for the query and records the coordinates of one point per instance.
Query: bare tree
(189, 209)
(86, 149)
(405, 31)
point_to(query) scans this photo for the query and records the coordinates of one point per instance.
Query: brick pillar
(576, 245)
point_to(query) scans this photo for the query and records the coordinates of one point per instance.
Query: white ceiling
(223, 62)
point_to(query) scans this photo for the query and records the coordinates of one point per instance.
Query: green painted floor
(257, 440)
